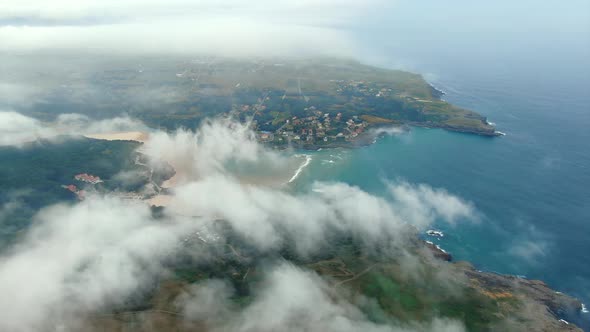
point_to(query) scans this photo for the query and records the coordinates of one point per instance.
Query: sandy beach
(160, 200)
(267, 179)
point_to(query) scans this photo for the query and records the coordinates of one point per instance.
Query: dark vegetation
(32, 176)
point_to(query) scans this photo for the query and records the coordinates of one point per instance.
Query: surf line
(300, 169)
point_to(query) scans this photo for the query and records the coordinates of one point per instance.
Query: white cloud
(210, 149)
(12, 93)
(267, 217)
(77, 258)
(531, 246)
(17, 129)
(77, 124)
(64, 10)
(422, 204)
(529, 250)
(391, 131)
(227, 27)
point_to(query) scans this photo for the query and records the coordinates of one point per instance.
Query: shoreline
(557, 302)
(559, 306)
(464, 130)
(136, 136)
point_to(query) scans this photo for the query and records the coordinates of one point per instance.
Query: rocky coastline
(541, 308)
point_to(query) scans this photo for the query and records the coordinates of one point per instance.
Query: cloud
(531, 246)
(423, 204)
(12, 93)
(211, 149)
(391, 131)
(79, 258)
(289, 299)
(529, 250)
(77, 124)
(82, 257)
(270, 216)
(64, 10)
(227, 27)
(17, 129)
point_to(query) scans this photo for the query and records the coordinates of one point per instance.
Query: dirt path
(356, 276)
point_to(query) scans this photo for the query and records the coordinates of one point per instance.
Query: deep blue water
(532, 187)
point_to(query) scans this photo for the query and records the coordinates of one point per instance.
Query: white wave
(337, 156)
(436, 246)
(441, 249)
(301, 168)
(584, 309)
(435, 233)
(500, 133)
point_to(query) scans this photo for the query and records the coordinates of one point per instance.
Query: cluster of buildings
(320, 127)
(84, 177)
(80, 194)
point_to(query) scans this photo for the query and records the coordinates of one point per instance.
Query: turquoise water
(532, 187)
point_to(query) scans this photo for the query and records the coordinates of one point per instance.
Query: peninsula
(304, 103)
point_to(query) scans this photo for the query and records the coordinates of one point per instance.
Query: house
(266, 136)
(84, 177)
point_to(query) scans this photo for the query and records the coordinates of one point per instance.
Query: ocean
(531, 187)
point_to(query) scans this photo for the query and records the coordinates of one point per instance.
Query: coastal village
(85, 178)
(313, 125)
(320, 128)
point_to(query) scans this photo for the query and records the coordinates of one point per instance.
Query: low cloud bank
(79, 258)
(17, 129)
(211, 150)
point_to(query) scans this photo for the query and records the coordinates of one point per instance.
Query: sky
(179, 26)
(289, 27)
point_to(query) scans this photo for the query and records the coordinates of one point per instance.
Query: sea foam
(300, 168)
